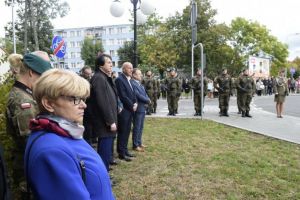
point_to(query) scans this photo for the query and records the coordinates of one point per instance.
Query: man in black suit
(128, 99)
(103, 107)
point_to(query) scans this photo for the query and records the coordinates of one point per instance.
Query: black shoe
(169, 114)
(123, 157)
(243, 114)
(248, 115)
(196, 114)
(226, 114)
(113, 162)
(129, 155)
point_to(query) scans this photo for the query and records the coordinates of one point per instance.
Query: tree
(125, 53)
(89, 50)
(33, 25)
(249, 38)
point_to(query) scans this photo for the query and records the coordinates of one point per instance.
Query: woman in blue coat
(59, 163)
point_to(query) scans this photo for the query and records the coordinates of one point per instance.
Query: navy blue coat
(141, 96)
(126, 94)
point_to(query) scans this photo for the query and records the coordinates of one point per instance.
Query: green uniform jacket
(246, 84)
(20, 109)
(223, 83)
(173, 86)
(195, 84)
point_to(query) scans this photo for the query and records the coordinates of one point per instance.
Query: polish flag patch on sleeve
(25, 105)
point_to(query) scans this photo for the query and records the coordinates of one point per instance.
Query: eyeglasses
(76, 100)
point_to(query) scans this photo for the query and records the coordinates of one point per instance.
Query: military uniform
(20, 109)
(223, 84)
(238, 95)
(280, 89)
(150, 87)
(246, 87)
(156, 94)
(173, 87)
(195, 84)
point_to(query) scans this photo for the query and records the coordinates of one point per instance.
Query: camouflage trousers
(224, 101)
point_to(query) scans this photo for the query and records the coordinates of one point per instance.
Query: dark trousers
(138, 126)
(104, 150)
(124, 128)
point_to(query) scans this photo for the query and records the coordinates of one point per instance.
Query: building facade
(113, 37)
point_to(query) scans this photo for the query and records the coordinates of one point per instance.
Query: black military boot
(243, 114)
(226, 113)
(247, 114)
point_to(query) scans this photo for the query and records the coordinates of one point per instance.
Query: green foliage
(33, 26)
(248, 38)
(126, 53)
(5, 140)
(89, 50)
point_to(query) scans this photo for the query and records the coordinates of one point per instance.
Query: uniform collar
(23, 87)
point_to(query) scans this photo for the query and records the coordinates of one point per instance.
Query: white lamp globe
(117, 8)
(146, 7)
(140, 17)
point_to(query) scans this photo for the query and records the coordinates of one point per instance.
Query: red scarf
(47, 125)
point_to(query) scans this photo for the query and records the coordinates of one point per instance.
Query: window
(111, 53)
(111, 31)
(78, 55)
(72, 44)
(103, 42)
(73, 65)
(73, 55)
(78, 33)
(104, 32)
(78, 44)
(72, 34)
(120, 41)
(111, 42)
(65, 34)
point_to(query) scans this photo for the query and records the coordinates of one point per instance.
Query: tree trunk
(34, 26)
(26, 26)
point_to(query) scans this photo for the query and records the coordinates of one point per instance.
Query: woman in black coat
(103, 107)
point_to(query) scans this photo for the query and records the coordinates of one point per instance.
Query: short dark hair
(100, 60)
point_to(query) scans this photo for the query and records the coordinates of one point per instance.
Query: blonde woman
(59, 163)
(281, 90)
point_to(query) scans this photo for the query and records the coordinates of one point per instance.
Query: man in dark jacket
(128, 99)
(139, 115)
(104, 107)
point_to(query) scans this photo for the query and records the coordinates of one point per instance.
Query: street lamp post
(117, 10)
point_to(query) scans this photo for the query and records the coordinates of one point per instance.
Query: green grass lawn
(193, 159)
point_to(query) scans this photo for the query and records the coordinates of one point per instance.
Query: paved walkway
(262, 122)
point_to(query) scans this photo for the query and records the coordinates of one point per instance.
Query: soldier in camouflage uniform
(21, 107)
(178, 93)
(172, 84)
(195, 84)
(156, 94)
(238, 94)
(150, 87)
(246, 87)
(223, 84)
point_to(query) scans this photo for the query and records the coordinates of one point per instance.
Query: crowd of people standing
(57, 119)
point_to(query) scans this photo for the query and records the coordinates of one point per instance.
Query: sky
(280, 17)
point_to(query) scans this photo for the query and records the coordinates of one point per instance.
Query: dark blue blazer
(126, 94)
(141, 96)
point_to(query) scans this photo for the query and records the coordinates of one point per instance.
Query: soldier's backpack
(4, 186)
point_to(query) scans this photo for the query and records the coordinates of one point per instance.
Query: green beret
(172, 69)
(36, 63)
